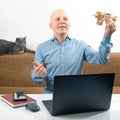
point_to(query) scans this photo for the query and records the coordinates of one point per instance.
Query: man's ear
(50, 25)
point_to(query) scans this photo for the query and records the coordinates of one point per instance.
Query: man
(66, 54)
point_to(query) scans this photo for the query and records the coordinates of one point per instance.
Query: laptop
(81, 93)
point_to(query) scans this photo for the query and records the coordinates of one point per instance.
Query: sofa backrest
(112, 66)
(15, 70)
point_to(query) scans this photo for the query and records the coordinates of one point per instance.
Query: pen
(46, 63)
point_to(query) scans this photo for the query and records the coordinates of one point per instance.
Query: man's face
(60, 23)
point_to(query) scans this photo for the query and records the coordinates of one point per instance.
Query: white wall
(19, 18)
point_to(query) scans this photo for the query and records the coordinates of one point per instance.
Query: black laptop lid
(82, 93)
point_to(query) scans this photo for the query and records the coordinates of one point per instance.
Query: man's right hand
(39, 69)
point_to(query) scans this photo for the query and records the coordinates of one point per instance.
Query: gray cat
(19, 46)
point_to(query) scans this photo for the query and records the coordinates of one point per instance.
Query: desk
(7, 112)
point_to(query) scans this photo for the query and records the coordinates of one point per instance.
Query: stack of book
(9, 99)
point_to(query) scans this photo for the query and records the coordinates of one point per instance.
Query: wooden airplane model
(101, 17)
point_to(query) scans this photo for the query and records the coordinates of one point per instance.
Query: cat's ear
(17, 39)
(25, 37)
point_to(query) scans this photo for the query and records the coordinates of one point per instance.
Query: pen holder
(101, 17)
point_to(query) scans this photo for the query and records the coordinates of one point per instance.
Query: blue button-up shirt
(67, 58)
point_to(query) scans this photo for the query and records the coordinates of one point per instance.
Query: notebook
(81, 93)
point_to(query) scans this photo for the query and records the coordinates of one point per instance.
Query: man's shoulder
(44, 43)
(77, 41)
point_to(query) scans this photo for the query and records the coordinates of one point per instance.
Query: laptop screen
(82, 93)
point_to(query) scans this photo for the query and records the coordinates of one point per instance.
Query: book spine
(7, 102)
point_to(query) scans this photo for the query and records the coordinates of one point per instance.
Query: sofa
(15, 73)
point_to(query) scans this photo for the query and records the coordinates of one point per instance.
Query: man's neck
(61, 38)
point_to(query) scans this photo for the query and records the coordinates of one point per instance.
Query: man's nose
(62, 20)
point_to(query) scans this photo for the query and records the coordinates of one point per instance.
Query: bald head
(60, 24)
(58, 12)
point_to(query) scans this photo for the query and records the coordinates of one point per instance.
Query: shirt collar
(67, 40)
